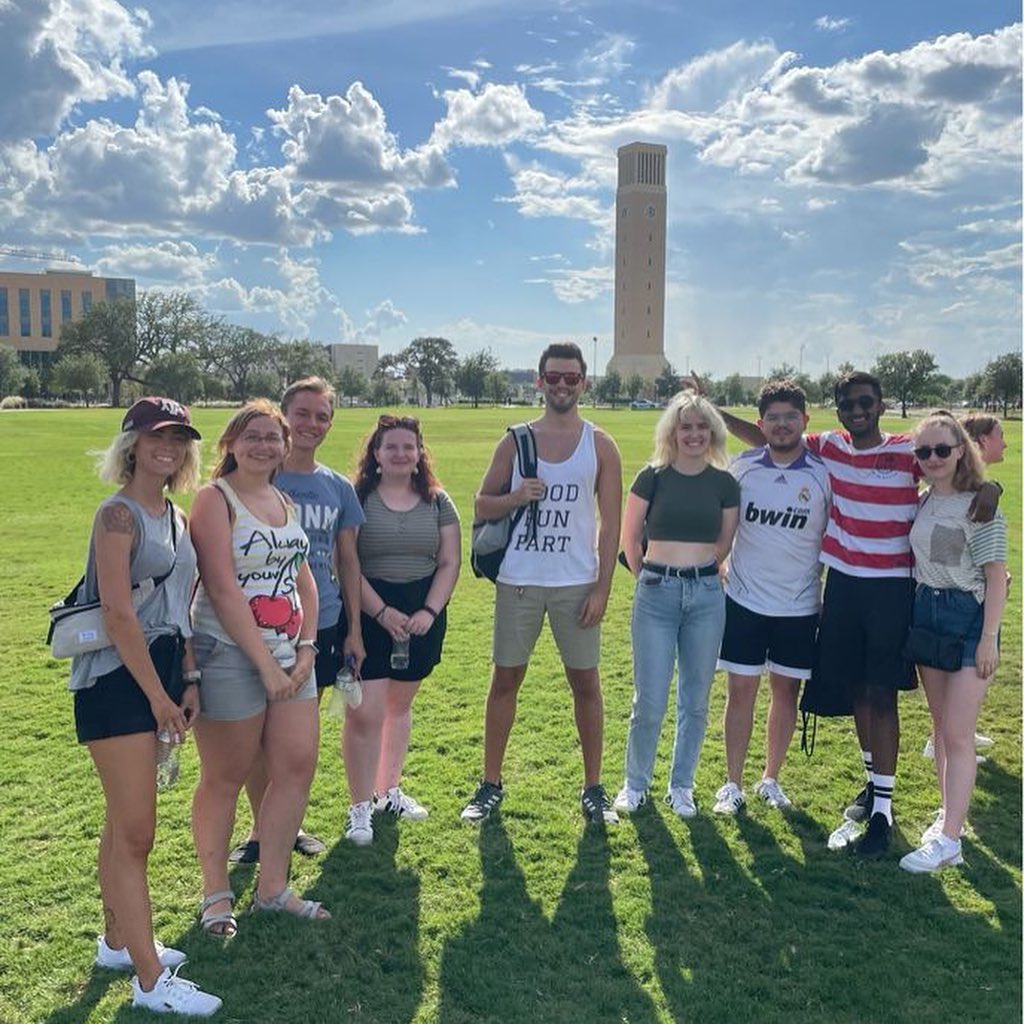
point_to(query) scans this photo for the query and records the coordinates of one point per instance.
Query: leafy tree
(827, 385)
(176, 375)
(974, 388)
(634, 386)
(351, 384)
(609, 388)
(238, 354)
(732, 388)
(12, 373)
(171, 322)
(906, 376)
(391, 366)
(667, 382)
(31, 385)
(472, 373)
(1003, 380)
(80, 374)
(109, 331)
(264, 382)
(294, 360)
(435, 364)
(497, 386)
(383, 392)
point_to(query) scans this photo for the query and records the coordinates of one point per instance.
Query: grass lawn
(531, 918)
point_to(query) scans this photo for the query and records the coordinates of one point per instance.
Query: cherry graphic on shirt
(276, 613)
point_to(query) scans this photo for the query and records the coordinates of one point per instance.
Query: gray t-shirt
(402, 546)
(327, 504)
(165, 611)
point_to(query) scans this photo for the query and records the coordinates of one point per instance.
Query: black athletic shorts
(863, 627)
(753, 642)
(424, 651)
(115, 704)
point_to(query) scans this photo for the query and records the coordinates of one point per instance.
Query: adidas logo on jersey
(781, 478)
(788, 519)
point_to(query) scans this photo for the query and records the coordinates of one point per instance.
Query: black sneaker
(860, 809)
(597, 808)
(875, 841)
(486, 799)
(247, 852)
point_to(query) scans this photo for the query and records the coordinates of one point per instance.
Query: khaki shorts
(519, 616)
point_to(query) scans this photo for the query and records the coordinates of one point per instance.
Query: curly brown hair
(367, 476)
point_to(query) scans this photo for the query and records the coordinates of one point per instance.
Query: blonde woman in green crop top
(690, 506)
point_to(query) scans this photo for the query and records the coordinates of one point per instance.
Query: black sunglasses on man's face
(865, 402)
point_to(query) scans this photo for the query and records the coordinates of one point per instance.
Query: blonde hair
(665, 446)
(236, 426)
(116, 465)
(316, 385)
(969, 474)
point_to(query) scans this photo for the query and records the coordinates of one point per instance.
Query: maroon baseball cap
(153, 413)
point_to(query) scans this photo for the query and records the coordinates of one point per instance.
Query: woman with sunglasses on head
(255, 620)
(689, 504)
(960, 571)
(141, 685)
(410, 553)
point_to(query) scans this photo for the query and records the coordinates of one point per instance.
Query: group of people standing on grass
(287, 572)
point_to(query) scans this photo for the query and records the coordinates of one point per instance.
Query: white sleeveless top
(267, 562)
(564, 552)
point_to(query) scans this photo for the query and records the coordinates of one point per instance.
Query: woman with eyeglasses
(689, 504)
(255, 620)
(143, 684)
(960, 571)
(410, 552)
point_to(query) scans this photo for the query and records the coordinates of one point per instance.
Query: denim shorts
(954, 613)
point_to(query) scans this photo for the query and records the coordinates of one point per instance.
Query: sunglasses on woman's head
(388, 421)
(553, 377)
(942, 450)
(865, 402)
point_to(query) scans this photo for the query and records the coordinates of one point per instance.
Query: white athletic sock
(865, 756)
(884, 785)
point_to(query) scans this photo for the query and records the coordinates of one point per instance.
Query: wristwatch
(308, 643)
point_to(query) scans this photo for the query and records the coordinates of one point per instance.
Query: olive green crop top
(686, 508)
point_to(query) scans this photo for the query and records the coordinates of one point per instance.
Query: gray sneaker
(485, 800)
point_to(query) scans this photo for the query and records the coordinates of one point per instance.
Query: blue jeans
(673, 619)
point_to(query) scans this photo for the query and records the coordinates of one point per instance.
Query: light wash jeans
(673, 619)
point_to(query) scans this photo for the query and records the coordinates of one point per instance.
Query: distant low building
(34, 307)
(362, 358)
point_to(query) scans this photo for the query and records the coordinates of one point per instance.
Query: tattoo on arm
(117, 518)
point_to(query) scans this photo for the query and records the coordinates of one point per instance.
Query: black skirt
(424, 651)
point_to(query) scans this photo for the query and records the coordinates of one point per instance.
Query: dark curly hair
(424, 481)
(848, 380)
(783, 390)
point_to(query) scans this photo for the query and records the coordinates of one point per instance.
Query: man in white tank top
(559, 564)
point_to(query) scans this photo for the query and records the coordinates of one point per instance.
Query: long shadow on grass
(511, 966)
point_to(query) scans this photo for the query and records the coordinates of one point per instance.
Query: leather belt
(682, 572)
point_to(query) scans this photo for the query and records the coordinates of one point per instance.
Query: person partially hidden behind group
(141, 685)
(690, 505)
(960, 571)
(410, 552)
(255, 619)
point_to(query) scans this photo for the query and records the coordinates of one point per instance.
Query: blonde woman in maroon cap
(142, 684)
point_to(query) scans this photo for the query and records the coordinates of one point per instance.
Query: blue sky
(843, 181)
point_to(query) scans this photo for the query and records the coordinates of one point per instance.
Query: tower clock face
(650, 211)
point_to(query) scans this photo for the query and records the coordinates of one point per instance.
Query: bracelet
(308, 643)
(430, 611)
(192, 678)
(380, 614)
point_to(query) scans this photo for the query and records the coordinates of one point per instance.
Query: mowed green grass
(531, 918)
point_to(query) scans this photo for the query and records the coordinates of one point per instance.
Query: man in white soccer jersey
(773, 589)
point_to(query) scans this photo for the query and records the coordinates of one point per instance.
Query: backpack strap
(526, 457)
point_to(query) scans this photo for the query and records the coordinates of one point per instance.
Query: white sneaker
(360, 825)
(681, 801)
(729, 799)
(629, 800)
(394, 801)
(121, 959)
(981, 741)
(941, 852)
(934, 830)
(929, 749)
(772, 794)
(845, 834)
(172, 994)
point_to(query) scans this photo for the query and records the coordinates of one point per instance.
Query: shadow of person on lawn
(511, 966)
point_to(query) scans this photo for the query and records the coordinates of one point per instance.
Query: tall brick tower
(640, 215)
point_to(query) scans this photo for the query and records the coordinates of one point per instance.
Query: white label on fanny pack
(87, 636)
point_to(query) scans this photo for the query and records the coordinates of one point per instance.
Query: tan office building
(362, 358)
(640, 218)
(33, 307)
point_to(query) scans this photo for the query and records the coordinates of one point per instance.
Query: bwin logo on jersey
(790, 519)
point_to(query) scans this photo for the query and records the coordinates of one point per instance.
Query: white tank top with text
(564, 552)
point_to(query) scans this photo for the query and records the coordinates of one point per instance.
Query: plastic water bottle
(347, 691)
(400, 654)
(168, 759)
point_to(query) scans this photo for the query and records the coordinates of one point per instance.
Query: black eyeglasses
(865, 402)
(942, 450)
(553, 377)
